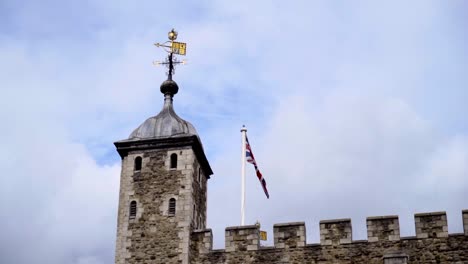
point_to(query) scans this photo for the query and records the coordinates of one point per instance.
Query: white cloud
(57, 203)
(54, 197)
(353, 110)
(354, 156)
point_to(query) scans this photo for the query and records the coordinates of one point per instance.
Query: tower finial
(173, 48)
(169, 87)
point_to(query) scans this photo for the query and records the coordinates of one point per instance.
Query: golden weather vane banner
(179, 48)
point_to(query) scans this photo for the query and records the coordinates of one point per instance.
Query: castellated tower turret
(163, 188)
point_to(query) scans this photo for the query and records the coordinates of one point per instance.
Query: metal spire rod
(243, 160)
(171, 66)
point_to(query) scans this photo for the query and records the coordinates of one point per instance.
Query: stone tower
(163, 188)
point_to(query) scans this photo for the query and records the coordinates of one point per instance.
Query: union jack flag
(251, 159)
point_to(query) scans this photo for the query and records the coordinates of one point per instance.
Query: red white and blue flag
(251, 159)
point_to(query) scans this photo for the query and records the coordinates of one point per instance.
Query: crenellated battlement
(289, 235)
(383, 242)
(336, 232)
(383, 228)
(430, 225)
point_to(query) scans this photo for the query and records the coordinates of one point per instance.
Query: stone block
(252, 247)
(431, 225)
(395, 258)
(345, 241)
(279, 245)
(336, 232)
(242, 238)
(289, 235)
(383, 228)
(203, 240)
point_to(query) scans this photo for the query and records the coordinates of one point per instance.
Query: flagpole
(243, 132)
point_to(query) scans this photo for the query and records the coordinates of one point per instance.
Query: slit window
(138, 163)
(133, 209)
(200, 176)
(172, 206)
(173, 161)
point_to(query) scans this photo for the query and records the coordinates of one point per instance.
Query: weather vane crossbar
(172, 47)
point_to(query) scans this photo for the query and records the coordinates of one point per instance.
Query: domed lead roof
(167, 123)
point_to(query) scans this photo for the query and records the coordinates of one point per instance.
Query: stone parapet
(384, 244)
(289, 235)
(431, 225)
(336, 232)
(202, 240)
(242, 238)
(383, 228)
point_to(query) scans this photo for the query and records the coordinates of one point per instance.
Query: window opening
(137, 163)
(172, 206)
(200, 176)
(133, 209)
(173, 161)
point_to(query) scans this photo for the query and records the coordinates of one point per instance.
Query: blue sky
(353, 109)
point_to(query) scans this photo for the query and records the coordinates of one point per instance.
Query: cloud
(353, 110)
(352, 157)
(56, 201)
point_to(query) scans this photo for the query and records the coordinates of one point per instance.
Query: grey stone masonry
(160, 233)
(242, 238)
(289, 235)
(337, 246)
(395, 258)
(202, 241)
(431, 225)
(336, 232)
(383, 228)
(465, 221)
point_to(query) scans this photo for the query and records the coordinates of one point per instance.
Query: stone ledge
(360, 241)
(266, 248)
(289, 224)
(430, 214)
(408, 238)
(313, 245)
(382, 217)
(396, 256)
(202, 230)
(456, 234)
(242, 227)
(335, 221)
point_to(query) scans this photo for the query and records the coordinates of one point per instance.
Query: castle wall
(432, 243)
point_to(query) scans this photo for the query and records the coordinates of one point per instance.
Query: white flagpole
(243, 132)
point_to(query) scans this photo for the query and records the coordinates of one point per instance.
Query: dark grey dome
(166, 124)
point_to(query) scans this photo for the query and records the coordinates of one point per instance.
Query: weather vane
(172, 47)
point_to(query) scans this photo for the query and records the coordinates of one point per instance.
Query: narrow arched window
(133, 209)
(200, 176)
(172, 206)
(137, 166)
(173, 161)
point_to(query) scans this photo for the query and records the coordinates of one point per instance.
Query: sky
(353, 109)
